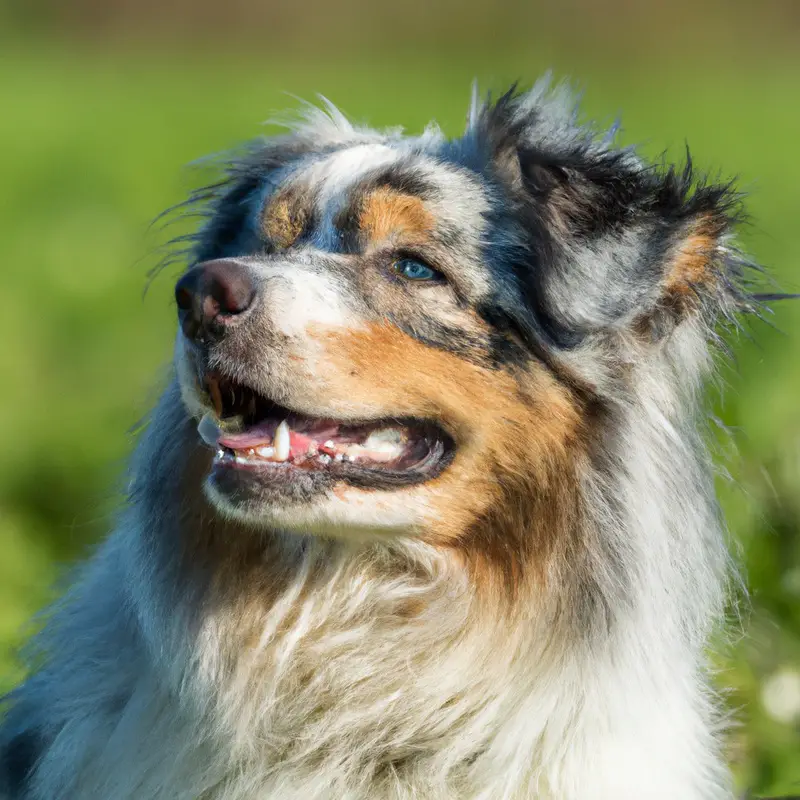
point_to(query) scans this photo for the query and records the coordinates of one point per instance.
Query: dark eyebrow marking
(403, 178)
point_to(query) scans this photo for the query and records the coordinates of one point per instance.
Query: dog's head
(389, 334)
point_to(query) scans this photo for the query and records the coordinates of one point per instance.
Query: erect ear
(615, 244)
(701, 272)
(642, 253)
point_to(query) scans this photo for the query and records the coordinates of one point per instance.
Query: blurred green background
(103, 101)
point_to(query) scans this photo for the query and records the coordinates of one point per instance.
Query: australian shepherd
(426, 509)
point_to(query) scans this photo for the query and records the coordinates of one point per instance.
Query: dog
(426, 509)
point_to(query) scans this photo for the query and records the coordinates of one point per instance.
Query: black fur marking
(511, 344)
(18, 758)
(348, 227)
(227, 233)
(431, 332)
(402, 177)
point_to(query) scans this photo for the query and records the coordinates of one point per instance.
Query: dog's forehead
(331, 175)
(380, 195)
(333, 183)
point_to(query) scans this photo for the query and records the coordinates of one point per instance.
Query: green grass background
(92, 142)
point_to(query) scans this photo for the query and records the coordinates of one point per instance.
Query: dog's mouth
(262, 440)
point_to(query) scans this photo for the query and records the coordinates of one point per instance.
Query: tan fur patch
(284, 220)
(506, 505)
(385, 213)
(692, 265)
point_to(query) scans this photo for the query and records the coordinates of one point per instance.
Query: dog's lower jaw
(229, 666)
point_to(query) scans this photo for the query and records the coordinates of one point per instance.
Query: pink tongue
(256, 436)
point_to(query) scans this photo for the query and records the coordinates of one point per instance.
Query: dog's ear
(614, 245)
(639, 251)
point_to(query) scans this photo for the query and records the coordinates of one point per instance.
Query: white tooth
(266, 452)
(339, 457)
(220, 453)
(241, 460)
(329, 444)
(209, 429)
(325, 459)
(281, 442)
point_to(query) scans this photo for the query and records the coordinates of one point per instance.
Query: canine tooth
(282, 442)
(266, 452)
(241, 460)
(220, 453)
(325, 459)
(339, 457)
(329, 444)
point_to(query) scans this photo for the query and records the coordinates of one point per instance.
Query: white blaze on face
(297, 298)
(336, 174)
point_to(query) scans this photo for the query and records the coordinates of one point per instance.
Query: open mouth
(261, 440)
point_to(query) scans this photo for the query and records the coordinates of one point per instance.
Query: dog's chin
(300, 507)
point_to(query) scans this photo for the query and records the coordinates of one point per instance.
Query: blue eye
(414, 270)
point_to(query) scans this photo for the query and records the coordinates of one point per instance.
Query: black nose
(210, 296)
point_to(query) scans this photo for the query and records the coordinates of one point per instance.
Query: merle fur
(597, 192)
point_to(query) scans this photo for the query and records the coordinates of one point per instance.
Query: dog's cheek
(521, 448)
(380, 367)
(504, 425)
